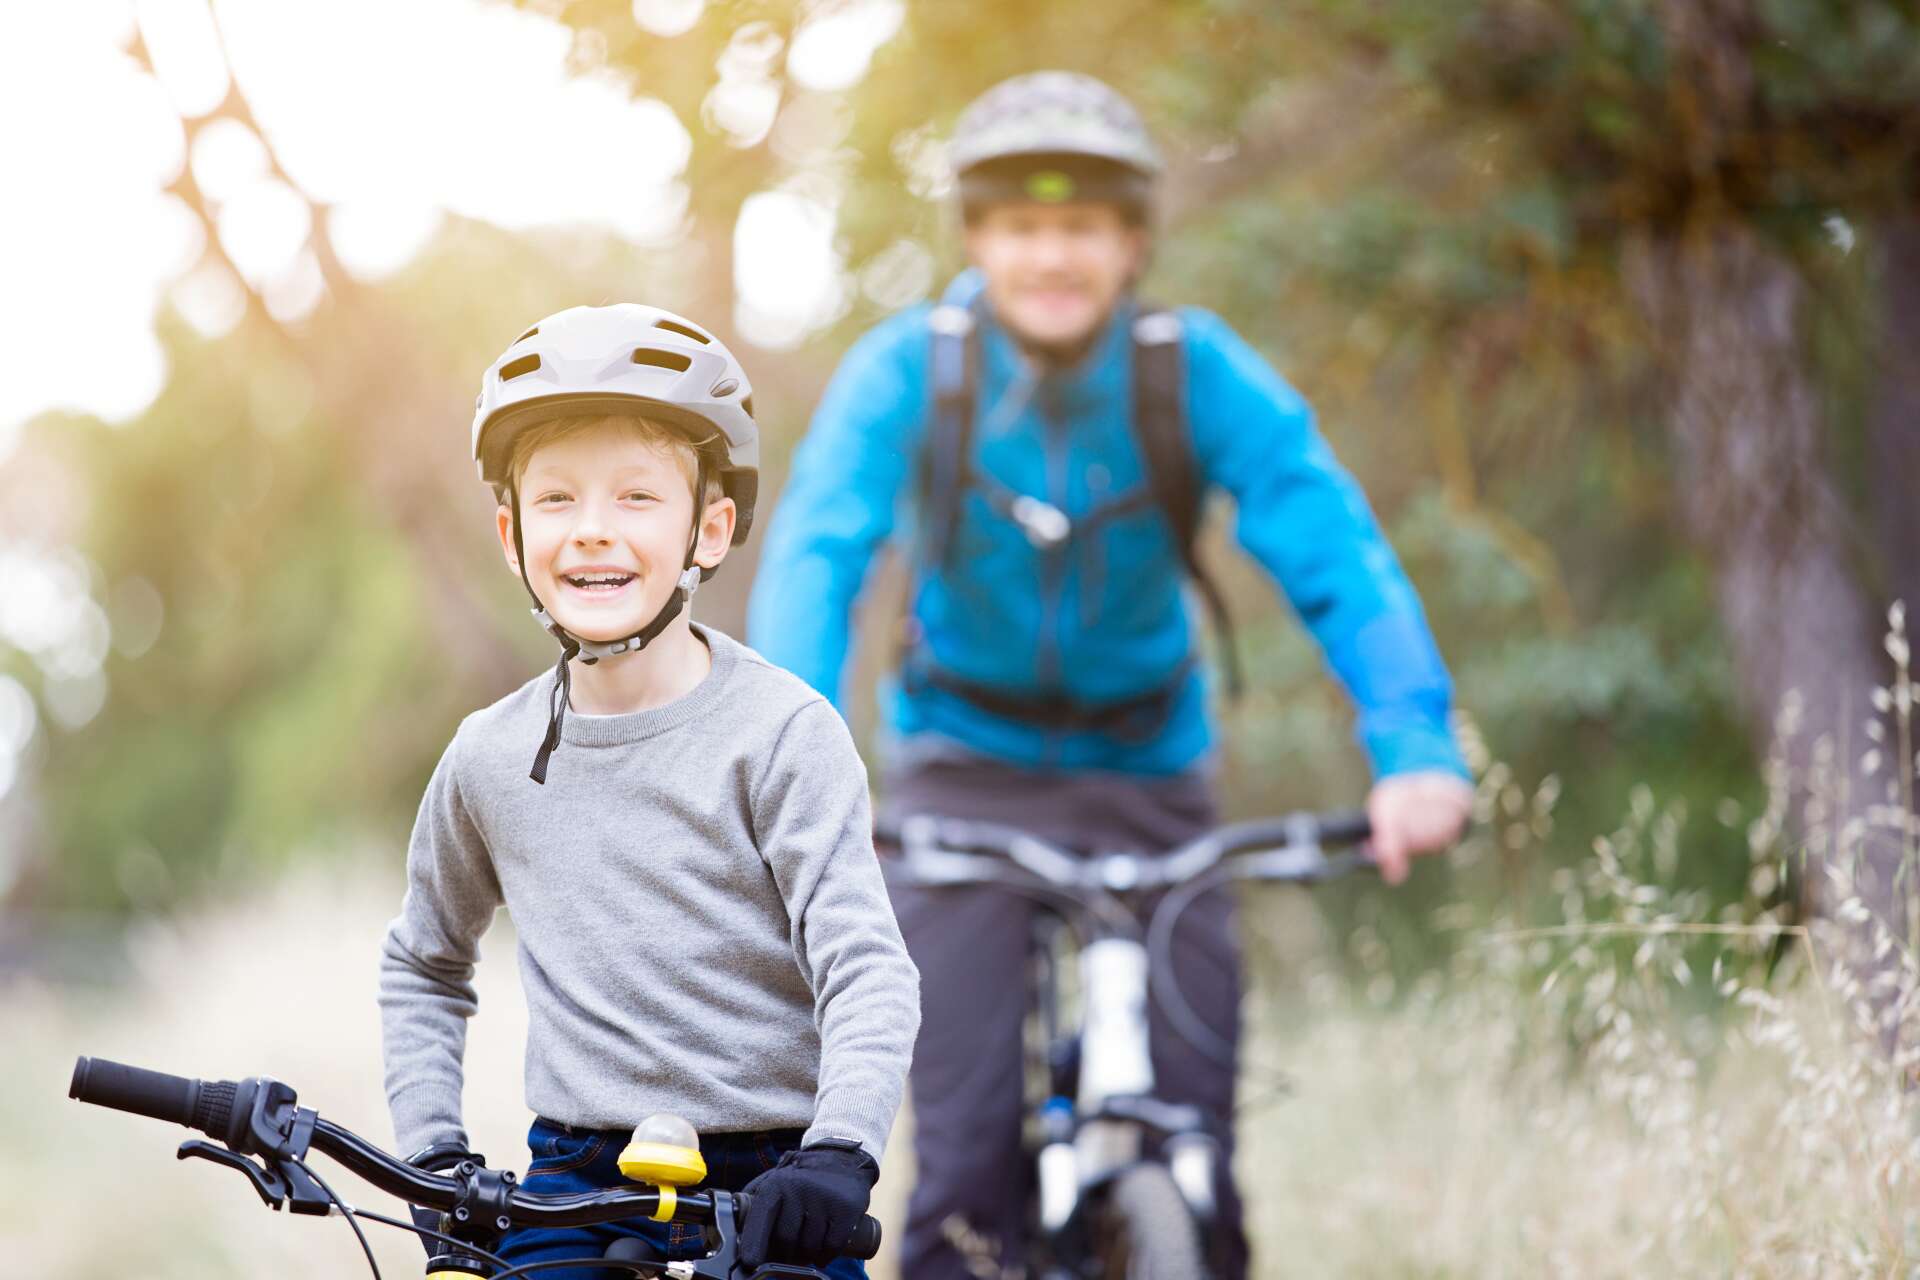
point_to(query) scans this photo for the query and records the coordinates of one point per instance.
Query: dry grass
(1451, 1137)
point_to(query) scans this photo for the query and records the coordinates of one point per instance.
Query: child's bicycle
(1125, 1181)
(261, 1131)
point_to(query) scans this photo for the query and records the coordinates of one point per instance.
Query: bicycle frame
(1101, 1114)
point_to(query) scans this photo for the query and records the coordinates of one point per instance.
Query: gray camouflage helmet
(623, 358)
(1052, 113)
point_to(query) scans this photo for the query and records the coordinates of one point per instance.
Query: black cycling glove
(805, 1208)
(438, 1158)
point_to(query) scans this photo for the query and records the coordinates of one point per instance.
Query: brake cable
(345, 1211)
(1163, 979)
(1163, 984)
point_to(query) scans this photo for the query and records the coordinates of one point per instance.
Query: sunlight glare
(833, 49)
(375, 237)
(368, 106)
(294, 294)
(786, 268)
(185, 47)
(210, 299)
(668, 17)
(262, 227)
(227, 156)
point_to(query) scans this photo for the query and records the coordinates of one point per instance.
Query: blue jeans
(569, 1159)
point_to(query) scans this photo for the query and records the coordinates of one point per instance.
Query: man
(1050, 438)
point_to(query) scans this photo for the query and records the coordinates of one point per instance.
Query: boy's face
(606, 517)
(1055, 271)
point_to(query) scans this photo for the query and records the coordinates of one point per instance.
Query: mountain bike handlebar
(937, 852)
(951, 851)
(258, 1117)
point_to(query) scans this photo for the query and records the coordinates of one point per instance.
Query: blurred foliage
(1417, 209)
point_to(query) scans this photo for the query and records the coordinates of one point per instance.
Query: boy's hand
(1416, 813)
(805, 1208)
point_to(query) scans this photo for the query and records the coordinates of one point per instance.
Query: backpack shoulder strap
(1160, 422)
(1166, 449)
(946, 453)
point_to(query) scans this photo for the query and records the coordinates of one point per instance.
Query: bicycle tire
(1153, 1234)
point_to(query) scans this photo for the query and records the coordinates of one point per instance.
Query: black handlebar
(210, 1106)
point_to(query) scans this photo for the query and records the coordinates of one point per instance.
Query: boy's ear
(716, 533)
(503, 521)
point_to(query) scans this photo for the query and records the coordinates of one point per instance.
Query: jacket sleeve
(838, 504)
(812, 823)
(1305, 520)
(427, 963)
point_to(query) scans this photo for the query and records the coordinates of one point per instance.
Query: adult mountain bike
(261, 1131)
(1125, 1181)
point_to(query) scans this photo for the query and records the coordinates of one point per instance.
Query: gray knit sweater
(703, 928)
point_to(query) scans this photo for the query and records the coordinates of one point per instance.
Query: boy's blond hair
(686, 452)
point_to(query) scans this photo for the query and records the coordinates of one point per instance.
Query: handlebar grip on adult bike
(199, 1104)
(1347, 826)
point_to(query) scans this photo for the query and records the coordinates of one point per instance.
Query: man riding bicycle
(1049, 437)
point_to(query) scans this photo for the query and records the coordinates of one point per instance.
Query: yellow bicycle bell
(665, 1151)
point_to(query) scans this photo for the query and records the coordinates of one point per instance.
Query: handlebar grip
(865, 1242)
(198, 1104)
(1349, 826)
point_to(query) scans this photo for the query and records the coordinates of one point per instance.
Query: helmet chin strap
(592, 651)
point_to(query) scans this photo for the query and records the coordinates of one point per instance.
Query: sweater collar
(632, 726)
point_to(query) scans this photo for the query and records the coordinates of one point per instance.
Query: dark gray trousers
(967, 1215)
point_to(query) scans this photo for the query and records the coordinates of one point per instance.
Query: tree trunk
(1748, 441)
(1893, 443)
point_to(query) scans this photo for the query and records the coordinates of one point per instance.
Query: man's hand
(1416, 813)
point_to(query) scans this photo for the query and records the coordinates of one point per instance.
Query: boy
(703, 928)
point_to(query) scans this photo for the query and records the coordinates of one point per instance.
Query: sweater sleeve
(427, 962)
(813, 826)
(1302, 517)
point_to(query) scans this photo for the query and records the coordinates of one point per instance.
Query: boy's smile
(607, 517)
(597, 579)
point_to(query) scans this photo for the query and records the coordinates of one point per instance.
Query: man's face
(606, 517)
(1055, 271)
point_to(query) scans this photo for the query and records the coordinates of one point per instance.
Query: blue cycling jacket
(1107, 620)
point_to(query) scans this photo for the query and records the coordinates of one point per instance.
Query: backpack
(1173, 485)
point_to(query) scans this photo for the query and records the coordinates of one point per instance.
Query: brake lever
(271, 1185)
(722, 1263)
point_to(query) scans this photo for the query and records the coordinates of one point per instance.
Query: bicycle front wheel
(1152, 1233)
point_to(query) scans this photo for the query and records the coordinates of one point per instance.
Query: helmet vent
(523, 337)
(685, 331)
(518, 368)
(724, 388)
(747, 404)
(662, 359)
